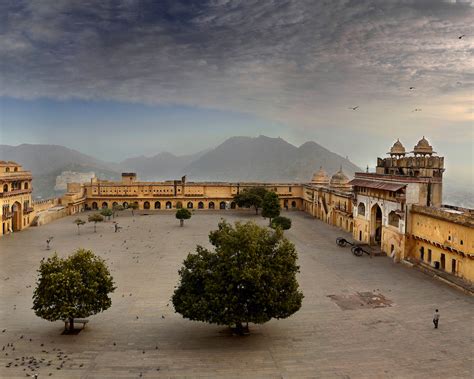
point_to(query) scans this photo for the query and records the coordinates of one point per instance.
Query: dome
(397, 148)
(423, 147)
(320, 178)
(340, 180)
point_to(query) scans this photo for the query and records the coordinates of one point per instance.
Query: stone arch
(393, 219)
(361, 209)
(16, 217)
(200, 205)
(157, 205)
(233, 205)
(114, 204)
(94, 205)
(125, 204)
(168, 205)
(211, 205)
(179, 205)
(376, 216)
(222, 205)
(146, 205)
(293, 204)
(105, 205)
(189, 205)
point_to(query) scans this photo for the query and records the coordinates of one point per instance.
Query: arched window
(179, 205)
(361, 209)
(7, 169)
(190, 205)
(168, 205)
(293, 204)
(211, 205)
(393, 219)
(157, 205)
(104, 205)
(125, 205)
(5, 188)
(95, 206)
(114, 204)
(222, 205)
(26, 185)
(146, 205)
(200, 205)
(15, 169)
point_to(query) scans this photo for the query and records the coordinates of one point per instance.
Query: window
(361, 209)
(393, 219)
(289, 189)
(422, 254)
(429, 255)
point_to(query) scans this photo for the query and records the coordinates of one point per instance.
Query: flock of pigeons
(413, 88)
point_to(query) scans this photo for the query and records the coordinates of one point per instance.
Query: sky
(116, 79)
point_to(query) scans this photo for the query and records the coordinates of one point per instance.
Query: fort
(397, 209)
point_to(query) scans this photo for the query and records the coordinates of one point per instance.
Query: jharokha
(398, 208)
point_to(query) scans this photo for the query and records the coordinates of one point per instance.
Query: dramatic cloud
(301, 62)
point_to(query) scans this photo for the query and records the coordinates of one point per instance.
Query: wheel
(341, 242)
(356, 250)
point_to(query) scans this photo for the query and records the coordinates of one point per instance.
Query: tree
(79, 222)
(117, 208)
(182, 214)
(72, 287)
(251, 197)
(249, 277)
(107, 212)
(270, 206)
(281, 222)
(133, 207)
(95, 218)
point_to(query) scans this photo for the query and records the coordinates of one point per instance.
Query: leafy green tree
(117, 208)
(270, 206)
(281, 222)
(107, 213)
(72, 287)
(183, 214)
(95, 218)
(79, 222)
(251, 197)
(133, 207)
(249, 277)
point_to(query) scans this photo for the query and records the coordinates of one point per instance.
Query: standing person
(436, 319)
(116, 227)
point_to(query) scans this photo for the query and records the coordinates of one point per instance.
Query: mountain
(48, 161)
(265, 159)
(162, 166)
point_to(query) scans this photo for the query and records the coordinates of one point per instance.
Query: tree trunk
(240, 329)
(256, 210)
(181, 222)
(71, 323)
(95, 224)
(269, 221)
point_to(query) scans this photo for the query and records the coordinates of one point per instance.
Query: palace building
(15, 197)
(397, 209)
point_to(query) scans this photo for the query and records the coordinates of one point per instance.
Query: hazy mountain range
(236, 159)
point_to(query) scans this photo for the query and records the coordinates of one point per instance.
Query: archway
(190, 205)
(104, 205)
(232, 205)
(211, 205)
(114, 204)
(293, 204)
(200, 205)
(125, 204)
(16, 219)
(376, 225)
(146, 205)
(168, 205)
(95, 206)
(222, 205)
(361, 209)
(157, 205)
(179, 205)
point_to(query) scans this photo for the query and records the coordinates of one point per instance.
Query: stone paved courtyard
(141, 336)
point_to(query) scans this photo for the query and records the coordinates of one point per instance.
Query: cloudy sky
(122, 78)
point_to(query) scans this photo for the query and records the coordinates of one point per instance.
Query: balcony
(15, 193)
(7, 215)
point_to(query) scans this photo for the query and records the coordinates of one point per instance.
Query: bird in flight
(353, 108)
(416, 110)
(412, 88)
(463, 35)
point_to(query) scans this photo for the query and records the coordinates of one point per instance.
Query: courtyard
(361, 317)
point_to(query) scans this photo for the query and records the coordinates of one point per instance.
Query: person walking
(436, 319)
